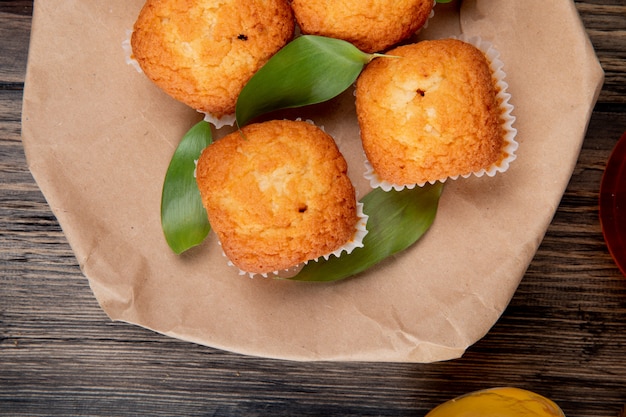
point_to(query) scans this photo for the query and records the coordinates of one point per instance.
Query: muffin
(371, 26)
(436, 111)
(277, 194)
(202, 52)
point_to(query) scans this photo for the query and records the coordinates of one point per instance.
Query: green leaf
(397, 219)
(308, 70)
(444, 1)
(183, 217)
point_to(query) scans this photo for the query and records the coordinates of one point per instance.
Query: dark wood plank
(605, 22)
(14, 36)
(17, 7)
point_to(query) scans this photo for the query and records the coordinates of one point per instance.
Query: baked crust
(371, 26)
(430, 114)
(202, 52)
(277, 194)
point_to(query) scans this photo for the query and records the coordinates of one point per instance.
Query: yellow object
(498, 402)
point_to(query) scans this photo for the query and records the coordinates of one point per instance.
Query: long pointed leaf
(308, 70)
(183, 217)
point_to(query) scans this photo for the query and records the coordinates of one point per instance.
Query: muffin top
(277, 194)
(430, 113)
(371, 26)
(202, 52)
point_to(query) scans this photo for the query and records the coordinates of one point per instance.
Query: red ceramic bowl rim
(613, 178)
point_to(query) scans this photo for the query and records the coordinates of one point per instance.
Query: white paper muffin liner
(430, 16)
(230, 119)
(128, 52)
(360, 231)
(219, 122)
(510, 144)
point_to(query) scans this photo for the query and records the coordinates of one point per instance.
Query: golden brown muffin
(371, 26)
(202, 52)
(277, 194)
(431, 113)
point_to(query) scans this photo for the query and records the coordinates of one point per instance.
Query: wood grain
(605, 22)
(563, 334)
(14, 32)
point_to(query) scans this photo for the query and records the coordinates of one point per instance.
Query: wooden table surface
(563, 334)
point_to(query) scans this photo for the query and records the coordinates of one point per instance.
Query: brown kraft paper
(99, 136)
